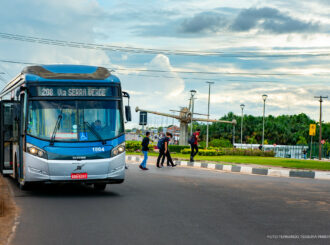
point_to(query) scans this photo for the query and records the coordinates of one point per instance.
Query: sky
(246, 47)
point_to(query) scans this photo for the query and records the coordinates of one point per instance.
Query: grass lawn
(268, 161)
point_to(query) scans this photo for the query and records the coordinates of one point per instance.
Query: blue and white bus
(63, 123)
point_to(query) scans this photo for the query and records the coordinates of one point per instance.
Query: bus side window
(7, 122)
(15, 120)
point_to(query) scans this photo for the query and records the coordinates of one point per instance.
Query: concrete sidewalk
(243, 168)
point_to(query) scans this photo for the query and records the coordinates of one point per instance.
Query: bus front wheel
(100, 186)
(24, 186)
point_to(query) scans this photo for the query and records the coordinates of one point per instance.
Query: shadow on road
(61, 190)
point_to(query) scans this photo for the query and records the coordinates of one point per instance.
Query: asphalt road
(177, 206)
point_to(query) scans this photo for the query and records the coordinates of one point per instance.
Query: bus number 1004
(98, 149)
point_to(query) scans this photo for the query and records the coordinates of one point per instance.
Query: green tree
(302, 141)
(283, 129)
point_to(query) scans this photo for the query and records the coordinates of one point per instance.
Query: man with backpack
(161, 148)
(193, 141)
(164, 151)
(145, 149)
(167, 152)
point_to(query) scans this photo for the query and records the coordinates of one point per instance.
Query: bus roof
(44, 73)
(61, 73)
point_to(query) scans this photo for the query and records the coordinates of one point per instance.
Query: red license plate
(79, 176)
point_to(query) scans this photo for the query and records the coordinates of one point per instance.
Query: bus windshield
(80, 120)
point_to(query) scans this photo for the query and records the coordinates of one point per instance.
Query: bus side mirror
(128, 113)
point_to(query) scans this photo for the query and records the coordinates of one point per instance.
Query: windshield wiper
(57, 125)
(94, 132)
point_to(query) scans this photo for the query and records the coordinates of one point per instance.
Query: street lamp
(208, 115)
(320, 128)
(192, 92)
(264, 97)
(242, 107)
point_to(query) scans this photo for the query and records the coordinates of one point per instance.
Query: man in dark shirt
(161, 147)
(194, 145)
(166, 152)
(145, 149)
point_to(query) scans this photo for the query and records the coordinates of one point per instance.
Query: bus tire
(24, 187)
(99, 186)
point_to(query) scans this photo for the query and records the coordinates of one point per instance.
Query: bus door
(8, 135)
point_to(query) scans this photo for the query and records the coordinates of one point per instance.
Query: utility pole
(208, 115)
(242, 107)
(320, 135)
(264, 97)
(192, 114)
(233, 135)
(192, 92)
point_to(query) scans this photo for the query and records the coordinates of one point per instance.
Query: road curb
(322, 175)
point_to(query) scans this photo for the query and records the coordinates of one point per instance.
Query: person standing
(194, 144)
(304, 153)
(145, 149)
(167, 153)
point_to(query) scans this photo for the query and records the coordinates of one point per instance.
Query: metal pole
(233, 135)
(192, 113)
(320, 131)
(263, 125)
(242, 129)
(191, 99)
(242, 107)
(310, 154)
(208, 115)
(320, 135)
(192, 92)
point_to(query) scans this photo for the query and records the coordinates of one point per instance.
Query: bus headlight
(118, 150)
(36, 151)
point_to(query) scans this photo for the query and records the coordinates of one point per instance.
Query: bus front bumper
(109, 170)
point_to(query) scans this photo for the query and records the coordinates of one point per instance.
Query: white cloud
(282, 99)
(61, 20)
(88, 21)
(158, 93)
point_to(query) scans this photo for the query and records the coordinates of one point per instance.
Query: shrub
(202, 144)
(231, 152)
(177, 148)
(132, 146)
(185, 151)
(207, 152)
(220, 143)
(269, 154)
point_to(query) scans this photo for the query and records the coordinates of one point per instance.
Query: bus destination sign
(75, 91)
